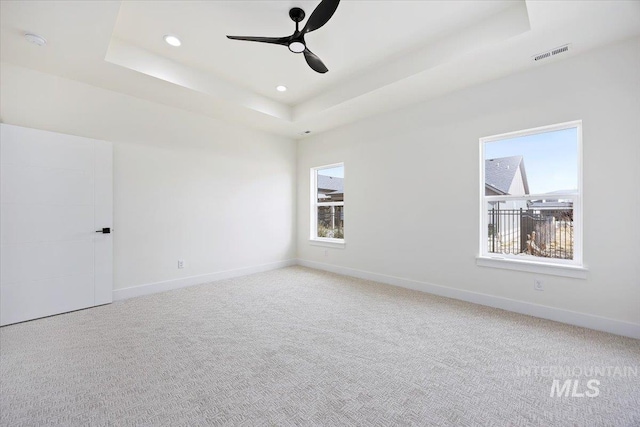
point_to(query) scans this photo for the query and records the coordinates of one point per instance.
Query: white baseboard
(598, 323)
(152, 288)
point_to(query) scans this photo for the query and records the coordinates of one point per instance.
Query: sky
(337, 172)
(550, 158)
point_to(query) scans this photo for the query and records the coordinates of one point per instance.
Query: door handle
(105, 230)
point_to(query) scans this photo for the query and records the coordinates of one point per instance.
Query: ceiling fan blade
(314, 62)
(273, 40)
(321, 15)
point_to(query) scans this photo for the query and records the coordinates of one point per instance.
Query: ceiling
(381, 55)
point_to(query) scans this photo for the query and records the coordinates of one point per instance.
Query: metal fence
(534, 232)
(331, 221)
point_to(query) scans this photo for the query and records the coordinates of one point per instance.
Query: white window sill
(573, 271)
(328, 243)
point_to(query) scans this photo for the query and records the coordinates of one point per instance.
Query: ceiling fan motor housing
(296, 14)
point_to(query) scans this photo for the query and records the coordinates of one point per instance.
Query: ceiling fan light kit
(297, 47)
(296, 42)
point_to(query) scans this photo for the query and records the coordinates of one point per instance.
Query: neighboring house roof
(552, 202)
(539, 204)
(331, 183)
(494, 190)
(499, 173)
(333, 196)
(572, 191)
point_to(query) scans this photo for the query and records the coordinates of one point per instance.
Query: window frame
(561, 267)
(313, 231)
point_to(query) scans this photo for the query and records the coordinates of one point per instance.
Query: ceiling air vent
(550, 53)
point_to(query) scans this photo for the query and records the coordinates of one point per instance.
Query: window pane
(330, 184)
(531, 228)
(331, 222)
(534, 164)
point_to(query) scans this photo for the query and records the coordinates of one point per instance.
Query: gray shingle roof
(331, 183)
(539, 204)
(499, 173)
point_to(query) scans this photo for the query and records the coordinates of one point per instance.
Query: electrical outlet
(180, 263)
(326, 252)
(538, 284)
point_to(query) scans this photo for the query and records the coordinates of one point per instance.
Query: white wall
(185, 186)
(420, 166)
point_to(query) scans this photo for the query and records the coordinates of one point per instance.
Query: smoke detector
(35, 39)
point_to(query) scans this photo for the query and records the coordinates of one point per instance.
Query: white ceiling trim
(151, 64)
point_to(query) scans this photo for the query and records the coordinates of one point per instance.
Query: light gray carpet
(302, 347)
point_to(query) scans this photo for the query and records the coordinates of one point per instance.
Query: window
(327, 204)
(531, 197)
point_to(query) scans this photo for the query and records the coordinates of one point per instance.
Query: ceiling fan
(295, 42)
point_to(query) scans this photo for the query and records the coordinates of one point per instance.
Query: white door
(55, 192)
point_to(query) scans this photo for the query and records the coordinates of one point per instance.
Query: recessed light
(35, 39)
(281, 88)
(172, 40)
